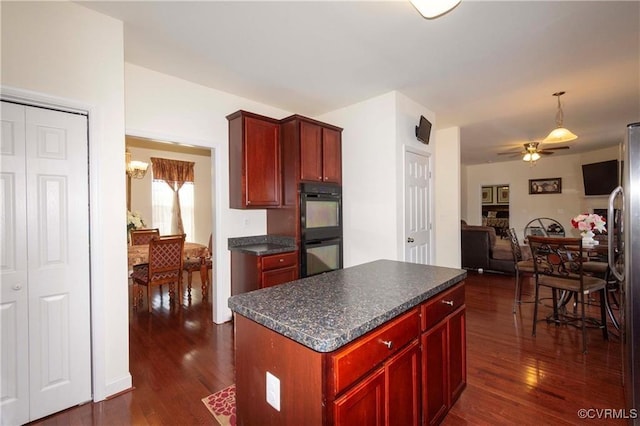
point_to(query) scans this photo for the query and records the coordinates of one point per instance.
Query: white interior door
(14, 311)
(56, 245)
(417, 208)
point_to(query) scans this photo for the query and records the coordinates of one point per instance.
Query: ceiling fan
(532, 151)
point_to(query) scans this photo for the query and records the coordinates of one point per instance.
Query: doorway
(495, 208)
(417, 207)
(142, 149)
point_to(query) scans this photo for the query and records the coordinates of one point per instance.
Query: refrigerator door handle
(611, 220)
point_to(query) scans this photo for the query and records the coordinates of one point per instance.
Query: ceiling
(488, 67)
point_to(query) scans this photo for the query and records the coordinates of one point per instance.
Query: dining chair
(521, 266)
(164, 267)
(558, 265)
(203, 265)
(143, 236)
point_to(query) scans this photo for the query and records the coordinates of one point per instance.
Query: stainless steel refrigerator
(626, 262)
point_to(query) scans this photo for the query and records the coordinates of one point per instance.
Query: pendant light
(560, 134)
(431, 9)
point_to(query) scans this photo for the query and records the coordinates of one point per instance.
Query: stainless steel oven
(320, 228)
(320, 211)
(320, 256)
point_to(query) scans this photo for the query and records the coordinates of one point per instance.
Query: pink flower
(589, 222)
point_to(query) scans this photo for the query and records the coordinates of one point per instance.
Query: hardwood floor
(178, 356)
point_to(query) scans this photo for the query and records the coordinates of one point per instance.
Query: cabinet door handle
(388, 343)
(448, 302)
(410, 240)
(17, 287)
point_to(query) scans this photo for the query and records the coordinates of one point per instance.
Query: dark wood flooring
(178, 356)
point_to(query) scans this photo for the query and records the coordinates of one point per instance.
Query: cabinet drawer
(279, 276)
(353, 361)
(281, 260)
(434, 311)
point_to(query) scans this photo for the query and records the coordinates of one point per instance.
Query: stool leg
(518, 296)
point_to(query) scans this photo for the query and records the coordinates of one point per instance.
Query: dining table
(139, 254)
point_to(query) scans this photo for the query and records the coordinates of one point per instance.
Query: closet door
(54, 166)
(14, 320)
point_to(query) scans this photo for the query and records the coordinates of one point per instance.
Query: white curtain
(163, 206)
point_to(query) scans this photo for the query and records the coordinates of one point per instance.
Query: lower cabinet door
(435, 375)
(279, 276)
(363, 404)
(403, 387)
(457, 355)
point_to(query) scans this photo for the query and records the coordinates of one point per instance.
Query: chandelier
(560, 133)
(135, 169)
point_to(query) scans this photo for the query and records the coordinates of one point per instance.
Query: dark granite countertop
(327, 311)
(262, 245)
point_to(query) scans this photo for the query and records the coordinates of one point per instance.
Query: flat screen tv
(423, 130)
(600, 178)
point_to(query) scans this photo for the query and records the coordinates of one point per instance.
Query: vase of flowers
(587, 223)
(134, 221)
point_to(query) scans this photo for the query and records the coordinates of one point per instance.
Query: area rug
(222, 405)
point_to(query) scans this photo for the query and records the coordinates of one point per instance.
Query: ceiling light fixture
(135, 169)
(560, 134)
(531, 155)
(431, 9)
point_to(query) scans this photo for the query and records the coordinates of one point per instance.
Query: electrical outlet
(273, 391)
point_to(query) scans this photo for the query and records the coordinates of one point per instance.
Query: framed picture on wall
(545, 186)
(487, 195)
(503, 194)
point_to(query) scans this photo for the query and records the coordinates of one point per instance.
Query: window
(162, 201)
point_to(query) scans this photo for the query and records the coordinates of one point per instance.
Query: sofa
(482, 249)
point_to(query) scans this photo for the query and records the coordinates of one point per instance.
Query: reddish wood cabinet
(254, 161)
(251, 272)
(443, 353)
(408, 371)
(320, 153)
(312, 152)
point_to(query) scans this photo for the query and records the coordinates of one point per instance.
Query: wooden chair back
(165, 259)
(143, 236)
(164, 267)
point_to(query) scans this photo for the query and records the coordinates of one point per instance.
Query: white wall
(163, 107)
(447, 198)
(377, 131)
(408, 114)
(368, 179)
(524, 207)
(68, 54)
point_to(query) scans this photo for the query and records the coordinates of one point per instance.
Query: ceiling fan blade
(555, 148)
(544, 152)
(511, 153)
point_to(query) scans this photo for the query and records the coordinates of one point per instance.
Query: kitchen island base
(407, 371)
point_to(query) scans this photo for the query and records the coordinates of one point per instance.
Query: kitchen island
(382, 342)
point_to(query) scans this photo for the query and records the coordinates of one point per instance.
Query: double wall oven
(320, 228)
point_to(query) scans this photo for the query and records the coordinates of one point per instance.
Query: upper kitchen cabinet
(254, 161)
(315, 147)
